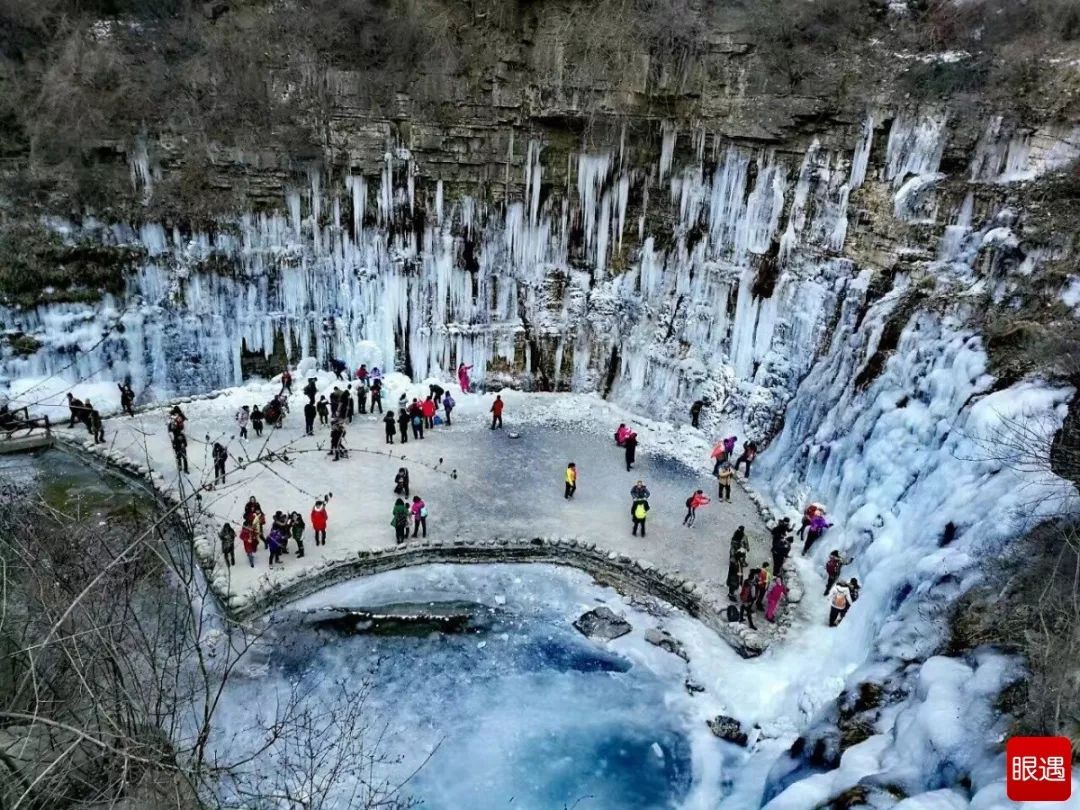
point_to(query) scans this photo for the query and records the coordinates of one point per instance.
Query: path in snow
(505, 487)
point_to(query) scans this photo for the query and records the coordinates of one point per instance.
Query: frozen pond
(519, 708)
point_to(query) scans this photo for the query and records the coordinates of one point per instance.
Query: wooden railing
(18, 423)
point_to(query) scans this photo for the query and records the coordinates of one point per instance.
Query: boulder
(602, 623)
(727, 728)
(665, 641)
(693, 687)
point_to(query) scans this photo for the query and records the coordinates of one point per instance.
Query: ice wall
(726, 288)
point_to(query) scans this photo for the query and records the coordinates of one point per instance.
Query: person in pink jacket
(776, 591)
(418, 509)
(463, 377)
(693, 503)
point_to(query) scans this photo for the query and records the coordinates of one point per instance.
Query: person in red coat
(318, 523)
(427, 410)
(496, 412)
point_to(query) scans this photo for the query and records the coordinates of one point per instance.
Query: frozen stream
(520, 710)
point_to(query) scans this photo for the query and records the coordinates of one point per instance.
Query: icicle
(316, 208)
(861, 158)
(915, 146)
(668, 134)
(439, 202)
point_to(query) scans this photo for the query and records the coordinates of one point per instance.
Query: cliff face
(671, 204)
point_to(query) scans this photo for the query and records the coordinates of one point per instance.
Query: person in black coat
(403, 425)
(695, 412)
(630, 448)
(257, 420)
(310, 390)
(390, 423)
(309, 418)
(220, 455)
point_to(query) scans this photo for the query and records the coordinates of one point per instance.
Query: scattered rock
(693, 687)
(665, 641)
(727, 728)
(602, 623)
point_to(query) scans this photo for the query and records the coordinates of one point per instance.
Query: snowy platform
(487, 494)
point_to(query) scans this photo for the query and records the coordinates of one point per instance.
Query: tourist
(318, 522)
(347, 401)
(391, 428)
(403, 425)
(418, 510)
(311, 390)
(740, 547)
(630, 449)
(310, 412)
(448, 405)
(127, 399)
(96, 428)
(362, 374)
(639, 510)
(399, 519)
(761, 584)
(436, 391)
(621, 432)
(177, 419)
(257, 420)
(251, 508)
(179, 446)
(77, 410)
(258, 527)
(734, 578)
(639, 492)
(227, 535)
(746, 601)
(781, 548)
(833, 566)
(375, 377)
(724, 477)
(427, 410)
(695, 412)
(463, 377)
(251, 542)
(693, 503)
(376, 395)
(338, 367)
(749, 451)
(401, 482)
(337, 438)
(571, 481)
(275, 541)
(322, 408)
(296, 529)
(719, 455)
(416, 419)
(729, 446)
(361, 398)
(814, 530)
(853, 588)
(286, 382)
(839, 603)
(781, 529)
(777, 591)
(219, 455)
(243, 416)
(496, 412)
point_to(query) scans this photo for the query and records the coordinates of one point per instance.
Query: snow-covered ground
(477, 483)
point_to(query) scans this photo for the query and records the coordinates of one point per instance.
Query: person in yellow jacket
(571, 480)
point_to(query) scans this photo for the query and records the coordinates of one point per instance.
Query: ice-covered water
(522, 711)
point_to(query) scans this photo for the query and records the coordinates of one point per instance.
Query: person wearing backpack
(399, 519)
(448, 405)
(746, 601)
(571, 481)
(639, 510)
(833, 566)
(693, 503)
(419, 515)
(839, 603)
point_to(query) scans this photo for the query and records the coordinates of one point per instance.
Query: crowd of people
(751, 588)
